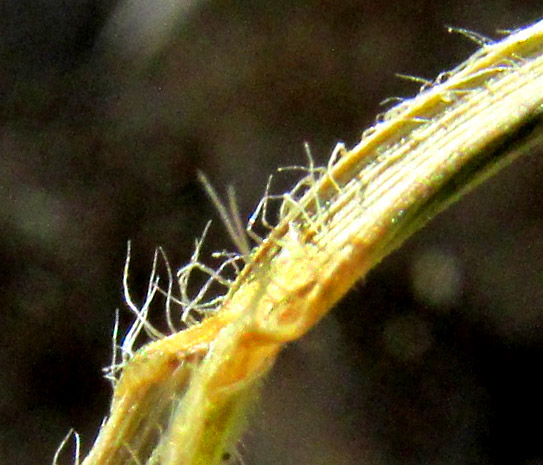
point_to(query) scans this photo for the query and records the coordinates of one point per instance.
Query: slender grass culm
(183, 399)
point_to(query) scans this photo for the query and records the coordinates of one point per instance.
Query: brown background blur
(105, 115)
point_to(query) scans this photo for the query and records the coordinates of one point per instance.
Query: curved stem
(182, 400)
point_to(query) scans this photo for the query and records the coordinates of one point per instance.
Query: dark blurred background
(107, 109)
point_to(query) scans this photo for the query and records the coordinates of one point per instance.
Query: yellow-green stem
(183, 400)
